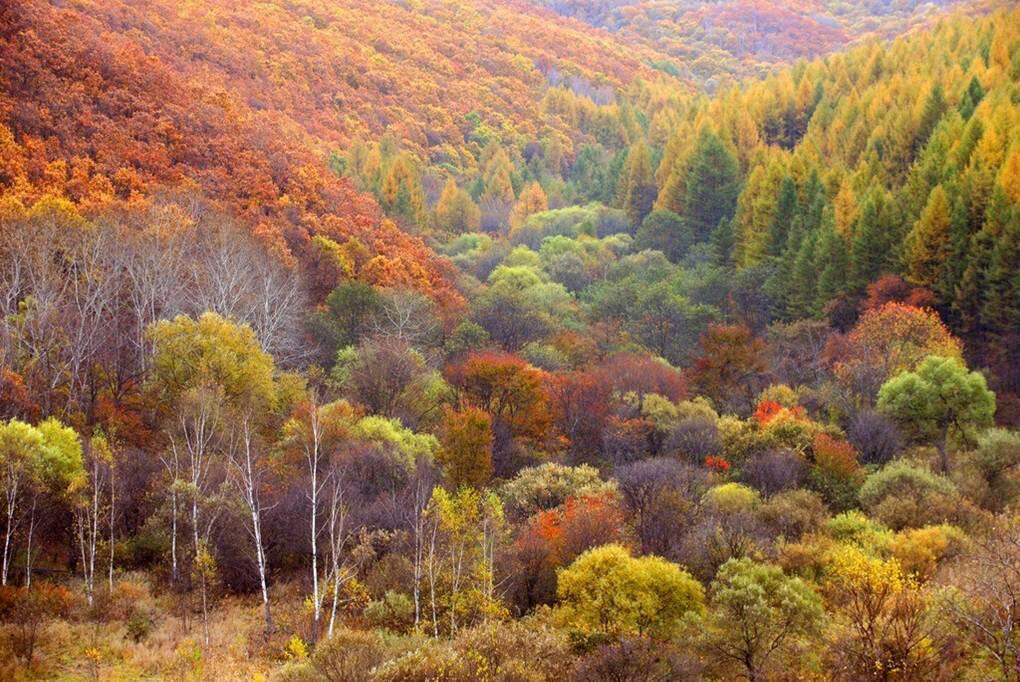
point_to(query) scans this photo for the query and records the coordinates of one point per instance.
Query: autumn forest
(509, 340)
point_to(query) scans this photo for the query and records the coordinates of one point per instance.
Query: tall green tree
(713, 184)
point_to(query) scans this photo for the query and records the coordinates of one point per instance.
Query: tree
(512, 393)
(667, 232)
(982, 600)
(730, 359)
(34, 461)
(888, 340)
(401, 191)
(606, 590)
(638, 194)
(870, 246)
(942, 399)
(882, 621)
(466, 453)
(758, 614)
(317, 432)
(456, 212)
(713, 184)
(212, 376)
(471, 526)
(928, 244)
(531, 201)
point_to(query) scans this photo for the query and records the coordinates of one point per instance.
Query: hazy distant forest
(509, 340)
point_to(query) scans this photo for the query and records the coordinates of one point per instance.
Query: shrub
(348, 656)
(395, 611)
(876, 437)
(903, 495)
(516, 650)
(793, 513)
(773, 471)
(731, 498)
(694, 439)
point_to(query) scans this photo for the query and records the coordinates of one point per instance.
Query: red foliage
(581, 409)
(719, 464)
(892, 289)
(642, 374)
(731, 355)
(15, 402)
(767, 410)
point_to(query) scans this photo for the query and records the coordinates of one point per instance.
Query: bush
(348, 656)
(731, 498)
(794, 513)
(903, 495)
(876, 437)
(28, 610)
(694, 439)
(773, 471)
(516, 650)
(395, 611)
(549, 485)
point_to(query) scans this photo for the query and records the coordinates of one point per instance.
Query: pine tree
(971, 98)
(1010, 177)
(532, 200)
(833, 260)
(498, 178)
(934, 109)
(786, 209)
(1001, 309)
(869, 249)
(712, 186)
(401, 190)
(800, 297)
(638, 194)
(929, 243)
(972, 292)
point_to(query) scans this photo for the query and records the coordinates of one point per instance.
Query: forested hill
(109, 100)
(750, 38)
(456, 340)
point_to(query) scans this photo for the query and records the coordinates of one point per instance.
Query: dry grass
(172, 649)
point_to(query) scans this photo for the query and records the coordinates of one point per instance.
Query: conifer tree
(786, 209)
(929, 244)
(869, 249)
(638, 193)
(712, 186)
(455, 211)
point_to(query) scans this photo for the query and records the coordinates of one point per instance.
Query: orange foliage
(891, 339)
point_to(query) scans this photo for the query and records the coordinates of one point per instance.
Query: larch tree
(638, 190)
(928, 243)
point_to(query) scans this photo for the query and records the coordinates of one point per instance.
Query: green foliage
(941, 399)
(759, 617)
(713, 184)
(903, 495)
(211, 352)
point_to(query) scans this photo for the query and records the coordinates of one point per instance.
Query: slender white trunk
(28, 552)
(12, 505)
(248, 479)
(113, 510)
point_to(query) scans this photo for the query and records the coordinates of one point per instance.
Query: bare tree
(249, 468)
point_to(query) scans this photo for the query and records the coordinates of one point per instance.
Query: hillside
(750, 38)
(110, 100)
(423, 340)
